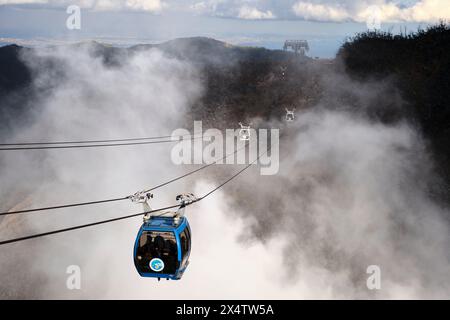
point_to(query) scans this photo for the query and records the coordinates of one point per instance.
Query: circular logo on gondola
(156, 264)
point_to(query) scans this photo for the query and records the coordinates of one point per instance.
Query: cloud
(154, 6)
(315, 10)
(248, 10)
(250, 13)
(6, 2)
(209, 7)
(386, 11)
(320, 12)
(138, 5)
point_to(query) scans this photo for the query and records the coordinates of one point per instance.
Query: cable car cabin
(162, 247)
(163, 243)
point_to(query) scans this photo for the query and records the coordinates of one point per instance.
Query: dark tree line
(419, 63)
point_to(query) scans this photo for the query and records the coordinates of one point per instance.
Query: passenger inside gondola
(157, 245)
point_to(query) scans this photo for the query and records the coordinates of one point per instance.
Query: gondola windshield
(154, 245)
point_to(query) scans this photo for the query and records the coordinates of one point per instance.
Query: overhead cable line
(90, 141)
(131, 215)
(95, 145)
(196, 170)
(121, 198)
(82, 226)
(63, 206)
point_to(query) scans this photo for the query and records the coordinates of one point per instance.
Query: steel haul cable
(196, 170)
(81, 226)
(83, 141)
(91, 141)
(131, 215)
(93, 145)
(119, 198)
(63, 206)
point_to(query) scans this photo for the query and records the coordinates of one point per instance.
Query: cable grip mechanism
(186, 198)
(141, 197)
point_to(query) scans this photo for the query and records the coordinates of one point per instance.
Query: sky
(267, 23)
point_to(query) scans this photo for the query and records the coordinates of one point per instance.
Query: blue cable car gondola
(163, 243)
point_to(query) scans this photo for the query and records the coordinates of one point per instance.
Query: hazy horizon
(31, 25)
